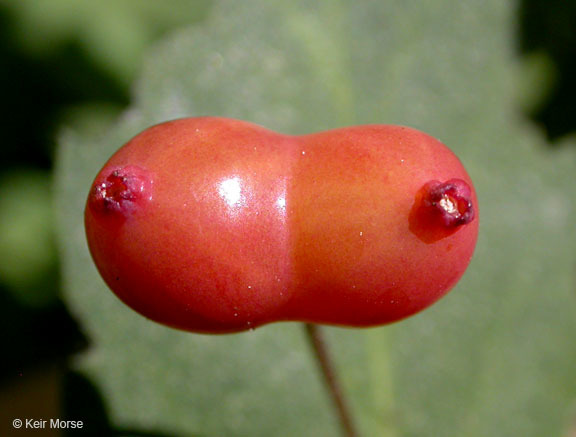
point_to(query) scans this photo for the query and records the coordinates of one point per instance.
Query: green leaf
(495, 357)
(113, 32)
(27, 247)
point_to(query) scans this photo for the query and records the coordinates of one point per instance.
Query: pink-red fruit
(216, 225)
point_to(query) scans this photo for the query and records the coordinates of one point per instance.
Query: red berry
(217, 225)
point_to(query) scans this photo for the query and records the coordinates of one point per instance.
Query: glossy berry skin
(216, 225)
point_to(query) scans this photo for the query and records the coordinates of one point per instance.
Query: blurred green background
(85, 76)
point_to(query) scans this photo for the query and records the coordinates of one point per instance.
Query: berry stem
(324, 359)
